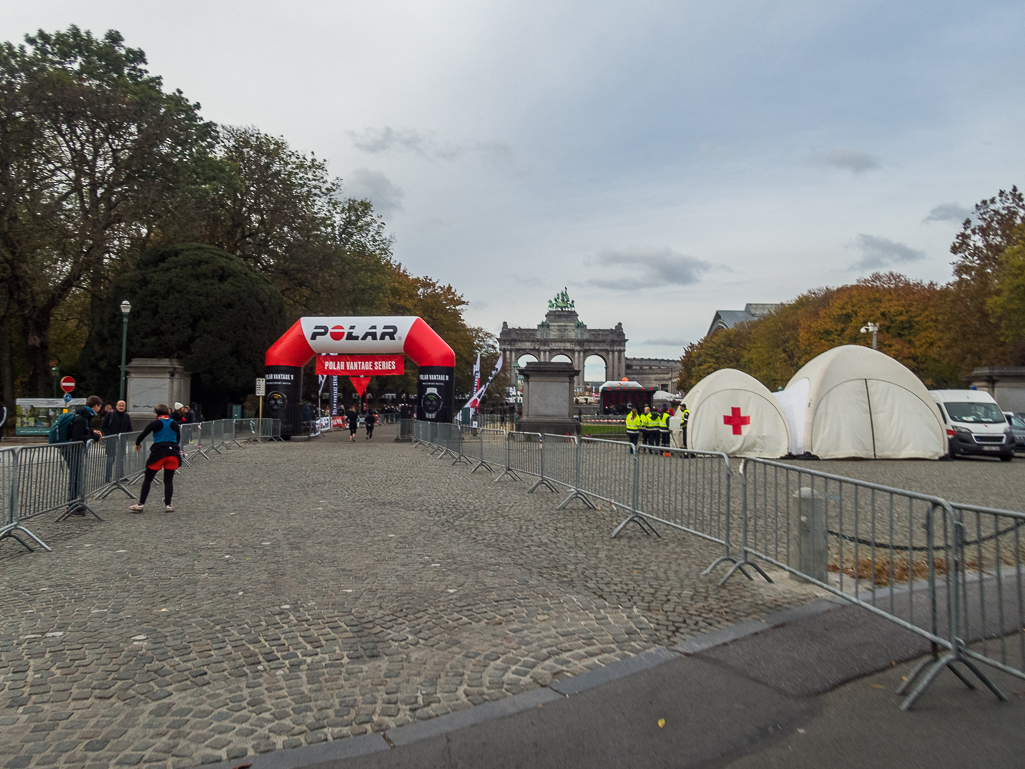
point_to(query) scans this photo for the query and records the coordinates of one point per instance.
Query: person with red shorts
(164, 455)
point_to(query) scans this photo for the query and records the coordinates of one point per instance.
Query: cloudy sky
(660, 159)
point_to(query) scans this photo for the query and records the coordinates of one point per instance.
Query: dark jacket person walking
(80, 431)
(114, 423)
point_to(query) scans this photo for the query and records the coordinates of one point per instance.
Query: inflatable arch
(360, 336)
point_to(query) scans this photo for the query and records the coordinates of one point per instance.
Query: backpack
(60, 428)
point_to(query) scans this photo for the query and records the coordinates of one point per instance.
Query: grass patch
(589, 429)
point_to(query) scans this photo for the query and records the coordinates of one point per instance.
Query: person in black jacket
(114, 423)
(79, 431)
(353, 418)
(164, 454)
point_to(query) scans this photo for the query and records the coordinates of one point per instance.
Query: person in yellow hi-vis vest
(633, 426)
(649, 426)
(663, 427)
(684, 415)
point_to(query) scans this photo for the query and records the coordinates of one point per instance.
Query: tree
(971, 335)
(89, 146)
(1007, 304)
(723, 349)
(196, 303)
(774, 348)
(907, 312)
(279, 210)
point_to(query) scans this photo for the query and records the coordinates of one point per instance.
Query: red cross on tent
(735, 420)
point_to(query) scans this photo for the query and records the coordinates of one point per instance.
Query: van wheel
(1006, 457)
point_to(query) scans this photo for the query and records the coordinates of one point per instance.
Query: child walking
(163, 455)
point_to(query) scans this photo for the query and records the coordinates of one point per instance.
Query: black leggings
(148, 479)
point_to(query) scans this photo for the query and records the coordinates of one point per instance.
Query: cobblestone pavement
(305, 592)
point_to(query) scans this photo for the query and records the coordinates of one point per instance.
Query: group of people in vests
(653, 426)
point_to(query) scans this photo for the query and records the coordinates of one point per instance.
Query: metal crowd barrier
(407, 429)
(991, 586)
(39, 479)
(951, 573)
(526, 456)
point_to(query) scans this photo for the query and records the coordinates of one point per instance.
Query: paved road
(780, 699)
(309, 592)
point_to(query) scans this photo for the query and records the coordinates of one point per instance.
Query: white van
(974, 423)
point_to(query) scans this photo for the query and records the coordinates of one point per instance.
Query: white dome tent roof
(853, 401)
(733, 412)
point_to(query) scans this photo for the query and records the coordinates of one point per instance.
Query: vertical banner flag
(474, 402)
(334, 395)
(320, 393)
(476, 382)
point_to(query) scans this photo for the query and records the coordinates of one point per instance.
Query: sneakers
(168, 509)
(137, 508)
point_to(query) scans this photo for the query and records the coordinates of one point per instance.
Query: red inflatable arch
(360, 336)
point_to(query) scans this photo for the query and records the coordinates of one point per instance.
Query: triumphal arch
(563, 333)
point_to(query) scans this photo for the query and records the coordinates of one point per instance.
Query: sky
(660, 160)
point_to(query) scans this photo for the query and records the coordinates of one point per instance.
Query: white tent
(852, 401)
(733, 412)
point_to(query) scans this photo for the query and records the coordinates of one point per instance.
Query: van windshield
(975, 413)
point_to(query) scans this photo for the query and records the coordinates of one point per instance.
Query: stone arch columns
(562, 333)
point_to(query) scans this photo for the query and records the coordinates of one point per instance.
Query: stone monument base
(549, 425)
(151, 381)
(548, 399)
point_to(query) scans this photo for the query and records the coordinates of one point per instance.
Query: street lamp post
(56, 373)
(872, 328)
(125, 309)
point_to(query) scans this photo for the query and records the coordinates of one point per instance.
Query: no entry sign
(67, 384)
(361, 365)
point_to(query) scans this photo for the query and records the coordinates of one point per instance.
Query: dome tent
(852, 401)
(733, 412)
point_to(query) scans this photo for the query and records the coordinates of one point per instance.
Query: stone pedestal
(548, 399)
(1005, 383)
(152, 381)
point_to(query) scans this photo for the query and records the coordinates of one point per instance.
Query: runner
(353, 416)
(164, 455)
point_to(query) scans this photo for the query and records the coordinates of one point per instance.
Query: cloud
(375, 187)
(663, 342)
(948, 212)
(855, 161)
(647, 267)
(880, 252)
(378, 141)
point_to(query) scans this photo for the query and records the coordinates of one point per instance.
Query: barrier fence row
(40, 479)
(951, 573)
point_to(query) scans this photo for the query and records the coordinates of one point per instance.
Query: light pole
(125, 309)
(56, 373)
(872, 328)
